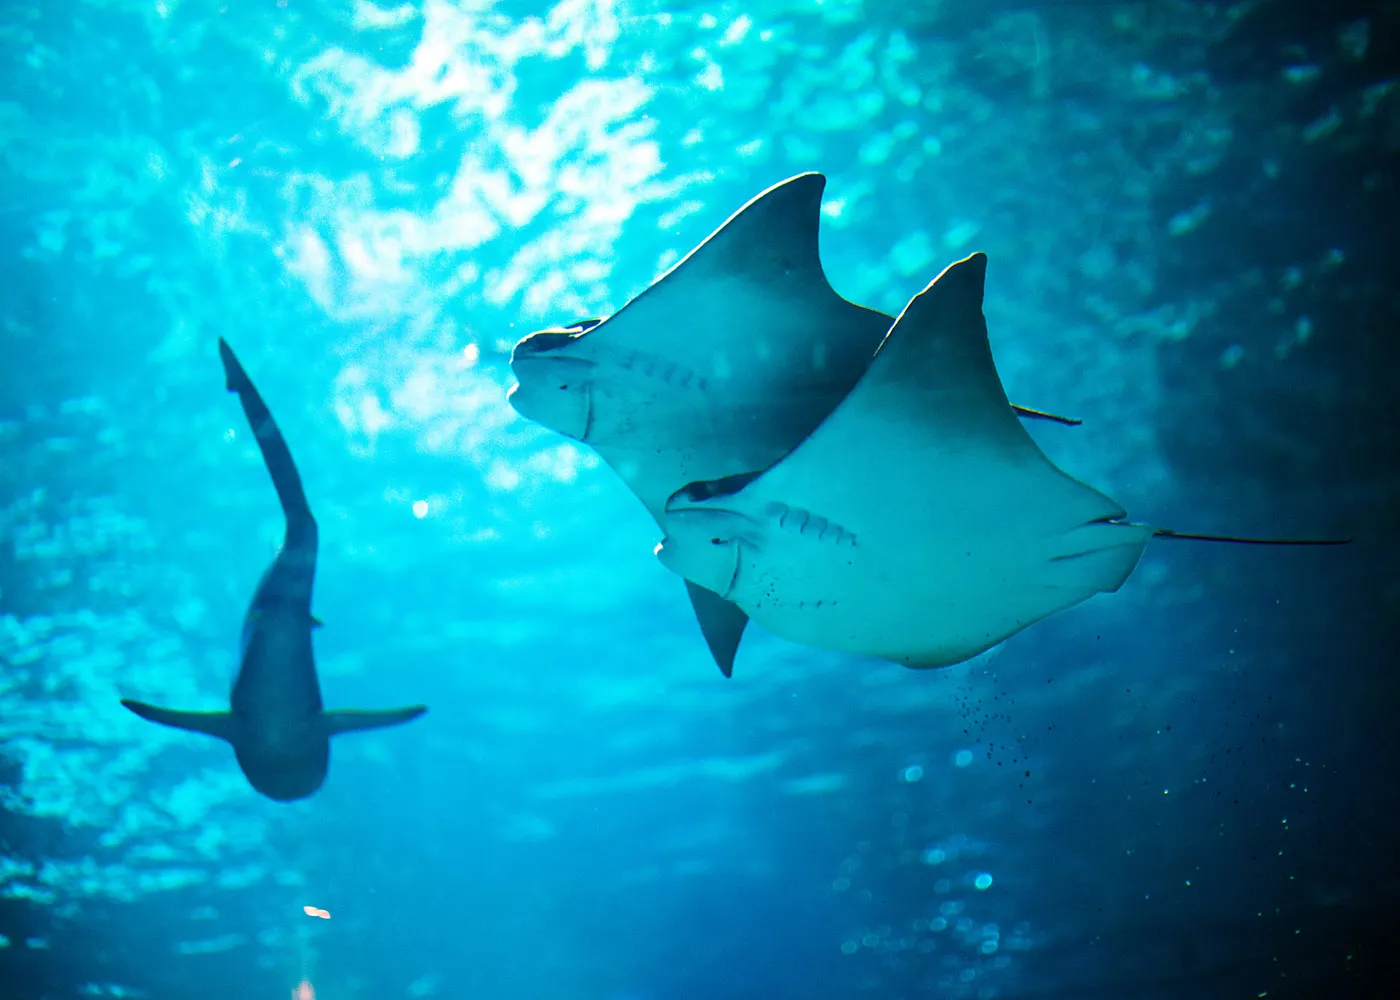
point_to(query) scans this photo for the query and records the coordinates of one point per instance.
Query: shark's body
(276, 723)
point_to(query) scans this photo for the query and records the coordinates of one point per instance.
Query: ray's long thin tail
(1242, 540)
(301, 526)
(1028, 413)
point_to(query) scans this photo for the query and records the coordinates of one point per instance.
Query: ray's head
(554, 384)
(706, 541)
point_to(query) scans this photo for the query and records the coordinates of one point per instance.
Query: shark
(919, 522)
(279, 731)
(722, 365)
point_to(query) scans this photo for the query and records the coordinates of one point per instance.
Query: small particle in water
(420, 509)
(913, 773)
(1185, 221)
(312, 911)
(983, 881)
(963, 758)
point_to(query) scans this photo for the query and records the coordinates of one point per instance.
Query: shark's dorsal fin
(721, 622)
(350, 720)
(219, 724)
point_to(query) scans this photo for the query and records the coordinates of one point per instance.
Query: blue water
(1184, 789)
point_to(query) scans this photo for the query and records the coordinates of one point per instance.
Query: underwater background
(1184, 789)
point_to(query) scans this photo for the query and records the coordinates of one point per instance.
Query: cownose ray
(275, 722)
(919, 522)
(723, 364)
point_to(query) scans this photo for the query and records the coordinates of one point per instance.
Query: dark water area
(1187, 788)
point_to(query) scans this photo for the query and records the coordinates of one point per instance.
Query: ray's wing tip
(972, 267)
(807, 178)
(962, 278)
(799, 189)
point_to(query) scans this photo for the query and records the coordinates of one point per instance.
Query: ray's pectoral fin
(350, 720)
(219, 724)
(721, 622)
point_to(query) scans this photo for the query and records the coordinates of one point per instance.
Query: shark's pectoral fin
(349, 720)
(721, 622)
(218, 724)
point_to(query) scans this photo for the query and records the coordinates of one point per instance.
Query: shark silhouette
(275, 722)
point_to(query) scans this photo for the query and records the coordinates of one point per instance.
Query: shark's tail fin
(218, 724)
(349, 720)
(1242, 540)
(301, 526)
